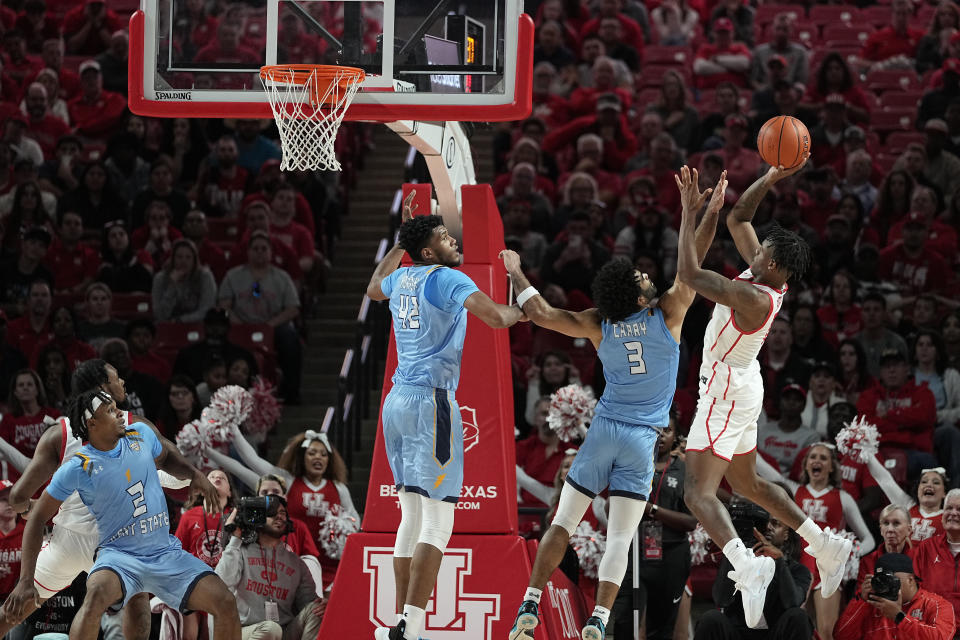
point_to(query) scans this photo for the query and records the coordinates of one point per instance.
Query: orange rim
(323, 76)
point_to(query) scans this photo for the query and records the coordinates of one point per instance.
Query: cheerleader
(927, 509)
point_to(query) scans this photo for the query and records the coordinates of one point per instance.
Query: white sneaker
(752, 585)
(831, 553)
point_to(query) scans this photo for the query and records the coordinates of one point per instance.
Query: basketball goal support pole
(446, 149)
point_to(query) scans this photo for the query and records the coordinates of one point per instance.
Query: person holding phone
(885, 609)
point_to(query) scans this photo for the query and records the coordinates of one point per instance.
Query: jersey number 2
(635, 356)
(136, 490)
(409, 312)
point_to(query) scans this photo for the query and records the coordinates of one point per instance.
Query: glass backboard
(425, 60)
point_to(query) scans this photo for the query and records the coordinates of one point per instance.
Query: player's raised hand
(14, 609)
(511, 260)
(409, 208)
(688, 181)
(779, 173)
(211, 497)
(719, 192)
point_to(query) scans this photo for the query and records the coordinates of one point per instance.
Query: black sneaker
(594, 629)
(528, 617)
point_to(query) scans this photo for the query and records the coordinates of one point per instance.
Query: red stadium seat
(827, 14)
(836, 35)
(657, 54)
(223, 230)
(132, 305)
(890, 121)
(898, 140)
(652, 75)
(900, 100)
(178, 334)
(258, 340)
(884, 162)
(765, 13)
(877, 15)
(892, 80)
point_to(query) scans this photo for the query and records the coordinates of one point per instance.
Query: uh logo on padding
(453, 613)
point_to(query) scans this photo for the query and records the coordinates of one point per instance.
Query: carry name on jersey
(640, 358)
(73, 514)
(429, 325)
(121, 489)
(730, 370)
(824, 508)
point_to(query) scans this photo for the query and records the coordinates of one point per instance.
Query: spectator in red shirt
(915, 614)
(632, 33)
(211, 256)
(220, 189)
(905, 414)
(11, 541)
(910, 264)
(553, 109)
(23, 425)
(16, 63)
(937, 559)
(942, 237)
(228, 48)
(37, 24)
(287, 230)
(43, 126)
(52, 56)
(610, 30)
(27, 331)
(88, 27)
(589, 160)
(661, 171)
(141, 333)
(583, 101)
(840, 317)
(258, 215)
(539, 455)
(725, 60)
(157, 235)
(608, 122)
(64, 324)
(95, 113)
(899, 39)
(835, 76)
(742, 164)
(74, 263)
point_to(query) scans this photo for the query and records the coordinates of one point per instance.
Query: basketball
(782, 141)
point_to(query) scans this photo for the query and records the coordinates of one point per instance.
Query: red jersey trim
(63, 446)
(711, 450)
(762, 324)
(722, 329)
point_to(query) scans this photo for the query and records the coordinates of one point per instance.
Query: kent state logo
(471, 432)
(453, 613)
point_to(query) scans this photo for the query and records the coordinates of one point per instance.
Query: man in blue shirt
(115, 474)
(637, 337)
(422, 431)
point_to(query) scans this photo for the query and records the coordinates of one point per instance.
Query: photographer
(783, 614)
(892, 605)
(276, 596)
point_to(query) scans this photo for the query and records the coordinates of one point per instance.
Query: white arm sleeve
(765, 471)
(600, 511)
(345, 500)
(13, 456)
(855, 521)
(533, 394)
(316, 572)
(170, 481)
(234, 468)
(890, 488)
(541, 491)
(257, 464)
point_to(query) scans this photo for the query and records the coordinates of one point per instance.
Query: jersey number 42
(409, 312)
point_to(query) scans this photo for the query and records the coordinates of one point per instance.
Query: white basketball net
(307, 134)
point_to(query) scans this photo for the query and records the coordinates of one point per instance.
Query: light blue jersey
(122, 491)
(640, 358)
(429, 323)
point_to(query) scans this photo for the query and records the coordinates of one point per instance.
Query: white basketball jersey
(730, 370)
(73, 514)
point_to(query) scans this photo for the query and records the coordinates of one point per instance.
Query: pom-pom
(266, 412)
(337, 524)
(699, 541)
(589, 545)
(852, 568)
(229, 407)
(859, 440)
(571, 410)
(192, 441)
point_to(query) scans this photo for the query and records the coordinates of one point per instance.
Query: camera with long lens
(747, 516)
(252, 514)
(885, 584)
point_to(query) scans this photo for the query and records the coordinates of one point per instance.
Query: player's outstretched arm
(25, 591)
(493, 314)
(740, 220)
(46, 459)
(583, 324)
(734, 294)
(12, 455)
(174, 463)
(392, 260)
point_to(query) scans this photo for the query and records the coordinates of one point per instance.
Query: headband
(311, 436)
(95, 404)
(939, 470)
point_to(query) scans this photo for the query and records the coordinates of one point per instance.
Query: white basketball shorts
(726, 427)
(62, 558)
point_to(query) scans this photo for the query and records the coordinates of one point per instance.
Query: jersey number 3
(409, 312)
(635, 356)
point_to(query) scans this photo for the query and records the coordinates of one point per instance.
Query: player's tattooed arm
(583, 324)
(392, 260)
(740, 220)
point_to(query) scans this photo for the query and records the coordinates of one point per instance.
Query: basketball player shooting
(422, 430)
(723, 436)
(637, 337)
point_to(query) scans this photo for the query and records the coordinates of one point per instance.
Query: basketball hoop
(308, 103)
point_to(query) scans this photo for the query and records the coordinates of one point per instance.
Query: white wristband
(525, 295)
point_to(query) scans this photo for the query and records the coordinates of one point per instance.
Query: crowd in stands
(625, 93)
